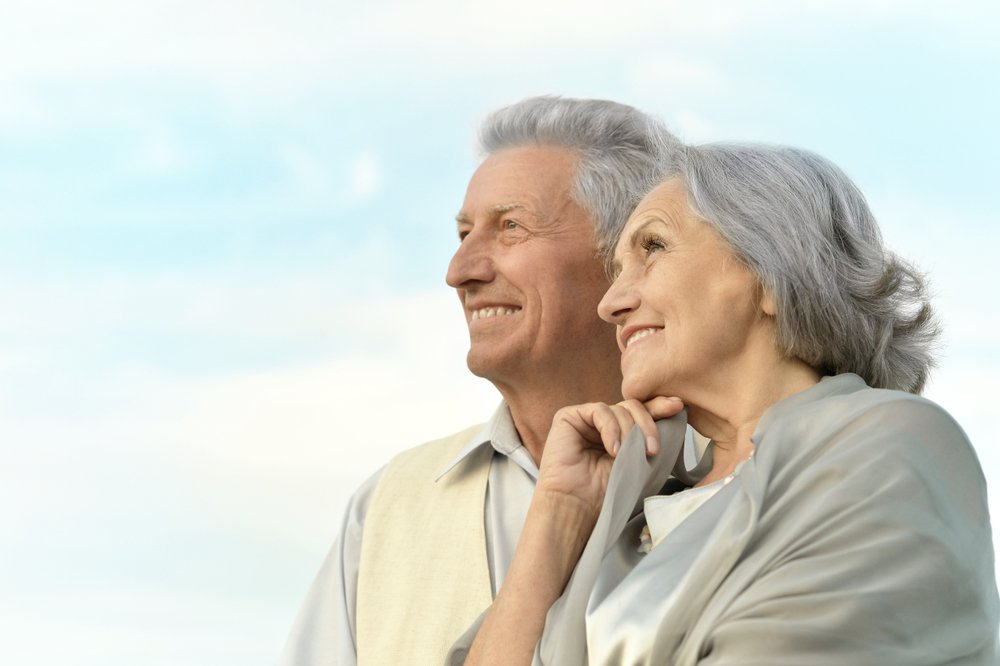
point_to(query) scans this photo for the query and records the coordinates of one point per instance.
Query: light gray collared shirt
(325, 629)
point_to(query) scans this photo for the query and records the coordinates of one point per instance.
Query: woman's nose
(620, 299)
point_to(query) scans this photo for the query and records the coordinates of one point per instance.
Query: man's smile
(493, 312)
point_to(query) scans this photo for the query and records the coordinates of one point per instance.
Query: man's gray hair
(844, 302)
(622, 151)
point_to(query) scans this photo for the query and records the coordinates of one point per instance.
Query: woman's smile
(637, 335)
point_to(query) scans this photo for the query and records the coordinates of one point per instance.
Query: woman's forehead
(666, 204)
(668, 198)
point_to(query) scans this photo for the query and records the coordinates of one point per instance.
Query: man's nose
(472, 262)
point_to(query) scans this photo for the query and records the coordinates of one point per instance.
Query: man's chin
(490, 366)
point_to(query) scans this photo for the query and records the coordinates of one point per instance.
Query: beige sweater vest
(423, 577)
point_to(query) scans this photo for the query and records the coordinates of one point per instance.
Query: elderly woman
(837, 517)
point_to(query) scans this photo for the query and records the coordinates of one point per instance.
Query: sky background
(224, 229)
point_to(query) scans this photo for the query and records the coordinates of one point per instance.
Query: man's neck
(532, 410)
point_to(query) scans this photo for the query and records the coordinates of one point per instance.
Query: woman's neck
(730, 416)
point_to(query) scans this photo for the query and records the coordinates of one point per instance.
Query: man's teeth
(486, 313)
(639, 335)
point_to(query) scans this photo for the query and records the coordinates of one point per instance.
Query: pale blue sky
(223, 234)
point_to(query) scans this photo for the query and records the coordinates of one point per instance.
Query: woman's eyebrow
(615, 266)
(633, 238)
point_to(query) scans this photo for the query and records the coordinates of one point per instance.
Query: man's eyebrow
(464, 218)
(507, 207)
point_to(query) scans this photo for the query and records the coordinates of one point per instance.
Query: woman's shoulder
(844, 407)
(850, 389)
(875, 438)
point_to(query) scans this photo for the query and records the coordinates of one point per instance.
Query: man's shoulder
(412, 483)
(443, 447)
(429, 460)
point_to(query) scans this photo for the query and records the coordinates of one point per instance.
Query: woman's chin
(642, 389)
(636, 390)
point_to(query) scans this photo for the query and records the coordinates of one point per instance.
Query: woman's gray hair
(622, 151)
(844, 302)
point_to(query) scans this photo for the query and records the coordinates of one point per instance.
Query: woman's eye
(651, 244)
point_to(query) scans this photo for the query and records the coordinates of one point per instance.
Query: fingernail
(652, 445)
(614, 447)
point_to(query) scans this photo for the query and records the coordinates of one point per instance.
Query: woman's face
(688, 312)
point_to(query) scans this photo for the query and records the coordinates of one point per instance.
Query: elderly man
(427, 541)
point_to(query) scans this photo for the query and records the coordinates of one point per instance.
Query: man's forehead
(529, 175)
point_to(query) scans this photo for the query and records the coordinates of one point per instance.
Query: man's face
(526, 269)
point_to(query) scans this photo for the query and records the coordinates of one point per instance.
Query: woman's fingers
(604, 426)
(613, 422)
(608, 422)
(641, 417)
(584, 439)
(662, 407)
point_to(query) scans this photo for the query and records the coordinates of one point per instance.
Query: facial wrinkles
(541, 212)
(523, 213)
(466, 221)
(491, 302)
(531, 223)
(558, 226)
(565, 210)
(552, 217)
(633, 247)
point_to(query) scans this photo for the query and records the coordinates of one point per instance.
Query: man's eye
(510, 225)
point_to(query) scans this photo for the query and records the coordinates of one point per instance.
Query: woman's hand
(583, 441)
(572, 479)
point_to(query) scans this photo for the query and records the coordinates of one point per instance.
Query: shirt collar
(499, 432)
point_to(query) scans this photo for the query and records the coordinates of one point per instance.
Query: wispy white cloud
(310, 175)
(109, 623)
(693, 127)
(295, 307)
(365, 177)
(158, 154)
(270, 45)
(675, 75)
(333, 186)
